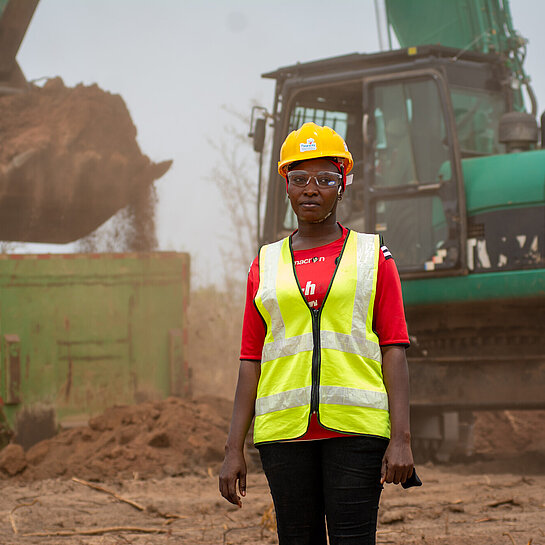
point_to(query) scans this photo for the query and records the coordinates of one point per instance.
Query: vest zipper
(315, 314)
(316, 360)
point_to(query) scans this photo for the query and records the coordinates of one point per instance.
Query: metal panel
(179, 369)
(11, 369)
(93, 330)
(475, 287)
(478, 383)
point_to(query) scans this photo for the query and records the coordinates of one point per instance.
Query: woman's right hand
(232, 471)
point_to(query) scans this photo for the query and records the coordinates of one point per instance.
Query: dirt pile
(69, 160)
(152, 439)
(175, 437)
(510, 432)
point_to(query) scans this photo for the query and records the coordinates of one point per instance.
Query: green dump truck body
(82, 332)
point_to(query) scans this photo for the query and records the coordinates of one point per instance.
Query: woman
(323, 366)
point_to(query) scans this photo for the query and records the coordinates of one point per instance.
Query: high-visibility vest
(326, 360)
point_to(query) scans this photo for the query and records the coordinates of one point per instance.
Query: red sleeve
(389, 316)
(253, 326)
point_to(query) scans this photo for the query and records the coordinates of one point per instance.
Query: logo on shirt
(310, 288)
(309, 260)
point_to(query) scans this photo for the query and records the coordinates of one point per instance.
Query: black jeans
(337, 480)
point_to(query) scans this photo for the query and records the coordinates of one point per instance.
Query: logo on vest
(309, 146)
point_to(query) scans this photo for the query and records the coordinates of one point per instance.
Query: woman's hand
(234, 465)
(397, 463)
(232, 471)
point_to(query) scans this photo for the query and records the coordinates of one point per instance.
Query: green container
(82, 332)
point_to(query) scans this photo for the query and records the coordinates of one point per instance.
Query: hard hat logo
(309, 146)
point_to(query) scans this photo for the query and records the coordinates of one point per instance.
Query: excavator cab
(409, 117)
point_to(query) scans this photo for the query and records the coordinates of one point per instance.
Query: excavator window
(335, 120)
(410, 151)
(338, 107)
(477, 114)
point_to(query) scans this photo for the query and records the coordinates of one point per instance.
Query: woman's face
(313, 203)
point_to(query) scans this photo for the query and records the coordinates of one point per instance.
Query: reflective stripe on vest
(351, 396)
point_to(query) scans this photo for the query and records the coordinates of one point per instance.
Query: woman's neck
(311, 235)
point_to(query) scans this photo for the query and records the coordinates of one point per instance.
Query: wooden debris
(510, 537)
(508, 501)
(98, 531)
(110, 492)
(268, 519)
(238, 528)
(149, 509)
(12, 519)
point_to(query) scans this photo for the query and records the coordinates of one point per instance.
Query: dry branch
(110, 492)
(150, 509)
(508, 501)
(12, 520)
(98, 531)
(235, 530)
(510, 537)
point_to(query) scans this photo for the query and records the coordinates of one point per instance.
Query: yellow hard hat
(312, 141)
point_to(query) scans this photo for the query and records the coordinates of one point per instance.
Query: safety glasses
(325, 179)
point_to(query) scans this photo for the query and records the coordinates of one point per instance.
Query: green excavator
(448, 168)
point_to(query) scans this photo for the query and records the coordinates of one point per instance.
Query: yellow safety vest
(325, 360)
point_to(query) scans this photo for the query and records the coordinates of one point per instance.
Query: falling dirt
(69, 160)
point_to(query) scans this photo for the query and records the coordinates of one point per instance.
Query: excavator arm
(484, 26)
(15, 16)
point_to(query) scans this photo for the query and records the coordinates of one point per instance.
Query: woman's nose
(312, 185)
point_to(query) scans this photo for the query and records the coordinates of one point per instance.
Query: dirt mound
(509, 432)
(69, 160)
(152, 439)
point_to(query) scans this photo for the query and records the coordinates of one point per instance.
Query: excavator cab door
(414, 194)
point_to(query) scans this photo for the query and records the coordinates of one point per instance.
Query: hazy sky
(177, 63)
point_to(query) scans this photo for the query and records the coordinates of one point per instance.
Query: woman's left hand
(397, 463)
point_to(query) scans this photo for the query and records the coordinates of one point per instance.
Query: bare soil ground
(457, 505)
(161, 461)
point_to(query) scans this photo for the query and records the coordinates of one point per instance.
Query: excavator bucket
(69, 159)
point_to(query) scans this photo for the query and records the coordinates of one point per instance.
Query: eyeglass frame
(337, 175)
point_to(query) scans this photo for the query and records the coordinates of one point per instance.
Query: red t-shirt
(314, 268)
